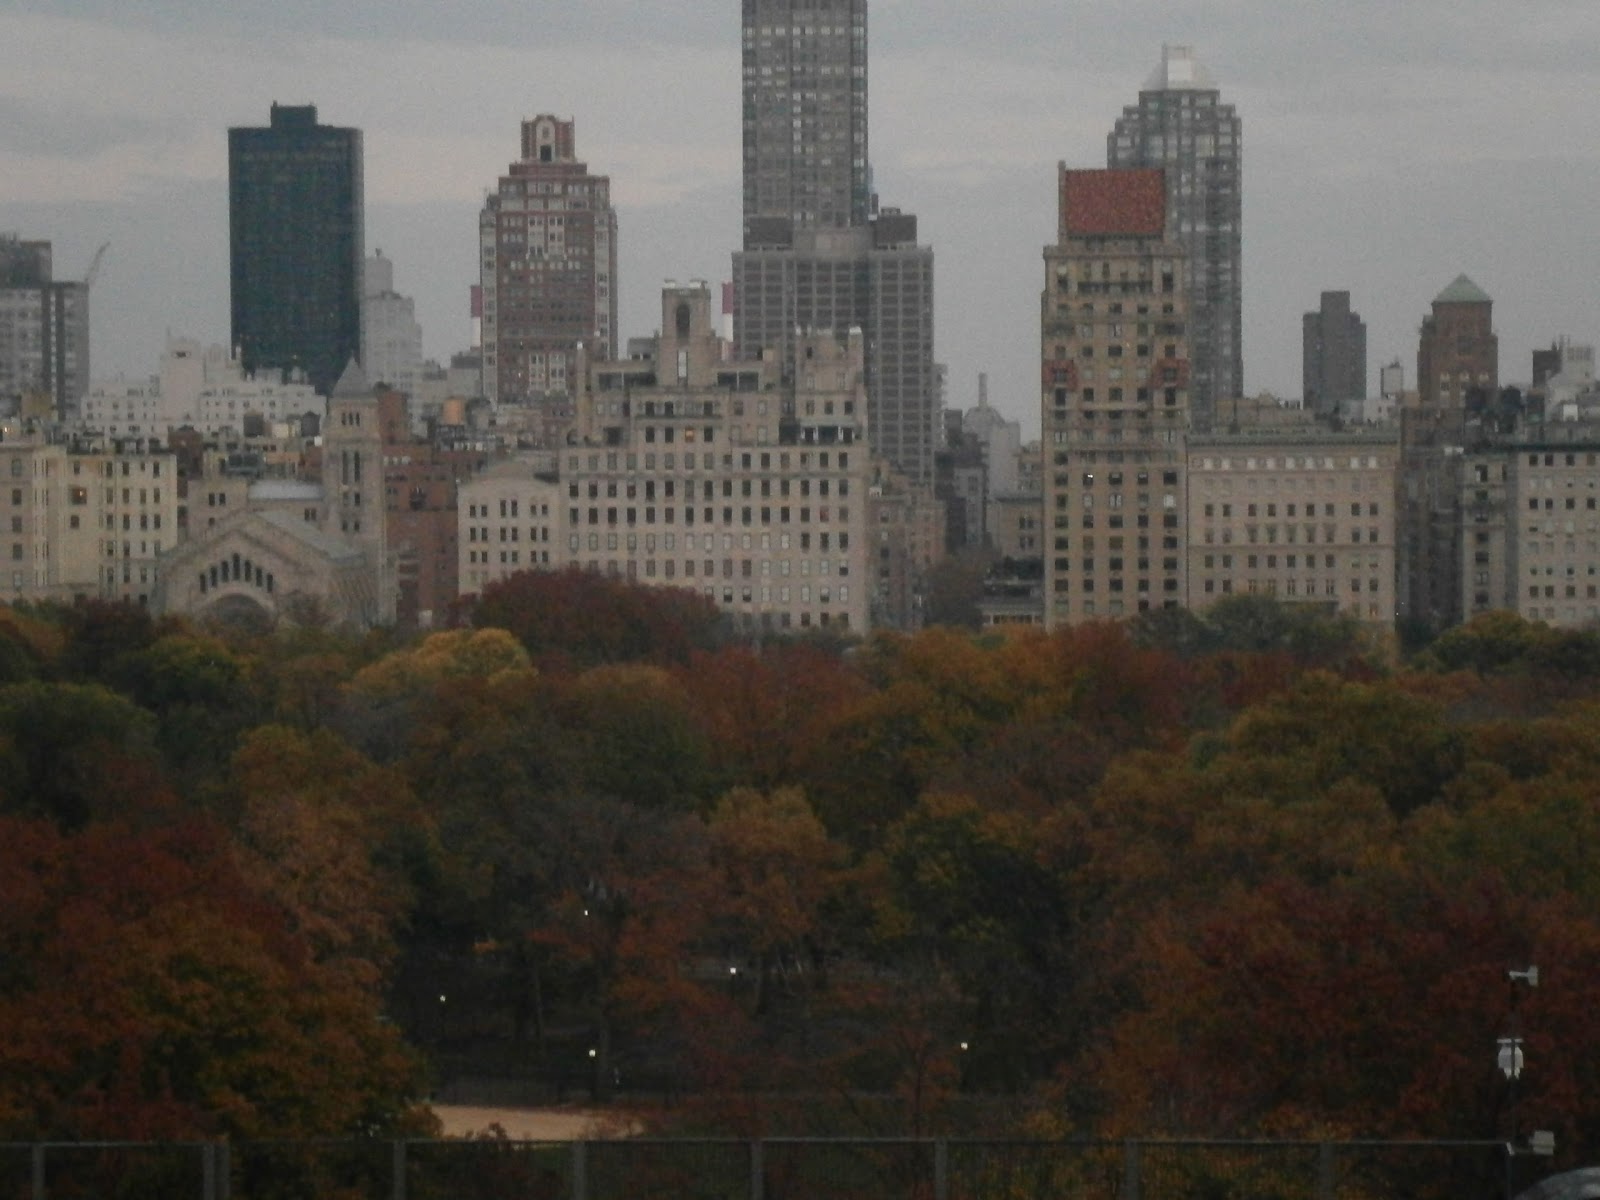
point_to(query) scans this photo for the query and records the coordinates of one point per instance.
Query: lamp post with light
(1510, 1059)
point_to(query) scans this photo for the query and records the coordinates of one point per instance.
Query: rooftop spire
(353, 382)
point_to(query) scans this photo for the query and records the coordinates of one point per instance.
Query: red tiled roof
(1114, 203)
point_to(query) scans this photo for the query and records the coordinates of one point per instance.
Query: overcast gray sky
(1388, 146)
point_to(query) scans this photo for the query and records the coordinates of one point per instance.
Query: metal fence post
(224, 1170)
(758, 1169)
(1325, 1173)
(208, 1171)
(941, 1170)
(397, 1168)
(580, 1171)
(1130, 1169)
(38, 1171)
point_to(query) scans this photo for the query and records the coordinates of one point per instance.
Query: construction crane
(93, 272)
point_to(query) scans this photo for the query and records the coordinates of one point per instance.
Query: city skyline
(1385, 156)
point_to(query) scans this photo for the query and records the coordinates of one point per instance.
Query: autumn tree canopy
(1232, 874)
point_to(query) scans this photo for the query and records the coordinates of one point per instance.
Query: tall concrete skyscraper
(819, 255)
(805, 112)
(296, 228)
(1181, 125)
(44, 329)
(548, 260)
(1333, 356)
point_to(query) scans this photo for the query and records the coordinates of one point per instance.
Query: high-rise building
(818, 256)
(391, 339)
(805, 112)
(1457, 378)
(296, 223)
(548, 263)
(1458, 353)
(1333, 356)
(44, 329)
(1115, 399)
(1182, 126)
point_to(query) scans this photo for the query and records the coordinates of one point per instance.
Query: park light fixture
(1509, 1059)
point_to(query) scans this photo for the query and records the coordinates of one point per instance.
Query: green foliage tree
(201, 694)
(74, 752)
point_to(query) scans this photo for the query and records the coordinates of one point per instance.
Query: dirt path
(534, 1124)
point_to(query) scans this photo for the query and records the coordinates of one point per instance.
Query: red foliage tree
(148, 992)
(578, 618)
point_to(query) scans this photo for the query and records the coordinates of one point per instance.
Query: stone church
(298, 551)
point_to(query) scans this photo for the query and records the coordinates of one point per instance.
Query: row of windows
(508, 533)
(1087, 565)
(146, 521)
(1549, 503)
(1115, 521)
(708, 542)
(1570, 592)
(1291, 587)
(747, 515)
(509, 507)
(1289, 510)
(1570, 572)
(708, 491)
(1290, 561)
(1116, 585)
(146, 549)
(1292, 535)
(802, 460)
(1292, 462)
(511, 558)
(1570, 460)
(1115, 543)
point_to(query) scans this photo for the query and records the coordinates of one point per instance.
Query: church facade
(303, 553)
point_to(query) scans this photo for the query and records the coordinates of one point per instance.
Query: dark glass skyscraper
(817, 254)
(1182, 126)
(295, 209)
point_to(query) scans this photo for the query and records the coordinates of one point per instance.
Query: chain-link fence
(769, 1169)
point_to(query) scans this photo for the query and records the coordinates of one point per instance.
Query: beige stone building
(1552, 561)
(510, 521)
(87, 518)
(1305, 516)
(683, 469)
(1015, 525)
(32, 477)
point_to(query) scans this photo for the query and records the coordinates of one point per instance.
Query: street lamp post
(1510, 1059)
